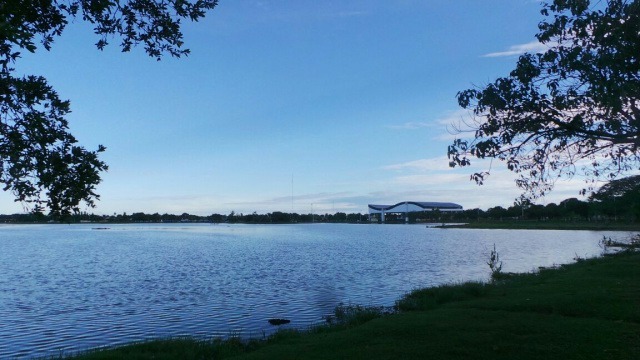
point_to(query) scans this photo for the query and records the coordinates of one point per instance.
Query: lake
(65, 288)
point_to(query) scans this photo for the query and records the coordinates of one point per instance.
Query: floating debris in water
(278, 322)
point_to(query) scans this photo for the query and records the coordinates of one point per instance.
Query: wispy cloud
(443, 122)
(411, 125)
(432, 180)
(531, 47)
(422, 165)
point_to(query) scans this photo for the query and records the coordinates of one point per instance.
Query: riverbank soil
(586, 310)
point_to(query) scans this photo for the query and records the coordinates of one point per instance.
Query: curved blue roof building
(406, 207)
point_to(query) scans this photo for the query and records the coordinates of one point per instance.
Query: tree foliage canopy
(40, 161)
(628, 187)
(620, 198)
(574, 108)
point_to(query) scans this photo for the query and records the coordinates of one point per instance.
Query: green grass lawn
(586, 310)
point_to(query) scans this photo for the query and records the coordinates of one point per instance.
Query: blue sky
(292, 106)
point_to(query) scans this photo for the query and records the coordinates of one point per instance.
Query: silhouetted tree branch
(574, 108)
(40, 161)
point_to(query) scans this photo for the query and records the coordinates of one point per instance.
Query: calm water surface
(67, 288)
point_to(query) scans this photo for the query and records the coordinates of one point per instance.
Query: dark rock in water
(279, 321)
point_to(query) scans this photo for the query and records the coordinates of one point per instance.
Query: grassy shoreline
(546, 225)
(586, 310)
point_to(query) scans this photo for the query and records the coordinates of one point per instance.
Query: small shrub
(604, 243)
(494, 263)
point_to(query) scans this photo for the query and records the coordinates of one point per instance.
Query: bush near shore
(586, 310)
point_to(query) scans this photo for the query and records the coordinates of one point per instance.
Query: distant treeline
(616, 208)
(619, 200)
(275, 217)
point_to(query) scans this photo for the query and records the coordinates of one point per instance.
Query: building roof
(425, 205)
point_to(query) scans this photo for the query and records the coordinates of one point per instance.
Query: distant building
(406, 207)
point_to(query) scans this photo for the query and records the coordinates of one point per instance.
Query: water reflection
(65, 288)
